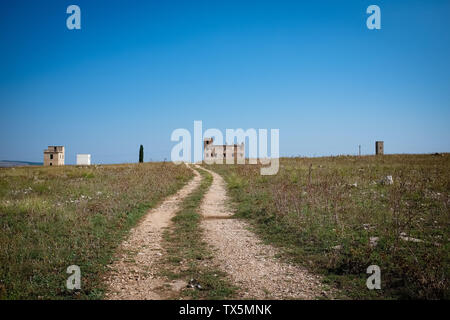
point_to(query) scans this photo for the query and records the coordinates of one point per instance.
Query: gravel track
(134, 273)
(251, 265)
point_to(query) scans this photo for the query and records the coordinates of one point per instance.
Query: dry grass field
(335, 216)
(51, 218)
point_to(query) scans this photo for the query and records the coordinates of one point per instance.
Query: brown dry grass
(314, 210)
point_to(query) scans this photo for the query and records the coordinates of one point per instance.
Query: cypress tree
(141, 154)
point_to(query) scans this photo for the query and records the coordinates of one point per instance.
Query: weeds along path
(251, 265)
(134, 274)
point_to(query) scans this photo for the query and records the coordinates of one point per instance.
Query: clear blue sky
(137, 70)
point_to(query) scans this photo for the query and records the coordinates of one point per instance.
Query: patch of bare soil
(134, 273)
(251, 265)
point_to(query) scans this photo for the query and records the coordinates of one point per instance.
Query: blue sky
(137, 70)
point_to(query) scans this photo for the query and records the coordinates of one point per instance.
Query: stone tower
(379, 147)
(54, 156)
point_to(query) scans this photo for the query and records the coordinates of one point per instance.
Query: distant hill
(13, 163)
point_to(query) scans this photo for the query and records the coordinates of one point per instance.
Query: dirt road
(134, 274)
(251, 265)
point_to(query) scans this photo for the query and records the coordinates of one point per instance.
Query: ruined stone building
(222, 152)
(54, 156)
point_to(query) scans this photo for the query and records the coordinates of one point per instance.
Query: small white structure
(83, 159)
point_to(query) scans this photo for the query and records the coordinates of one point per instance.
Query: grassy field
(51, 218)
(334, 216)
